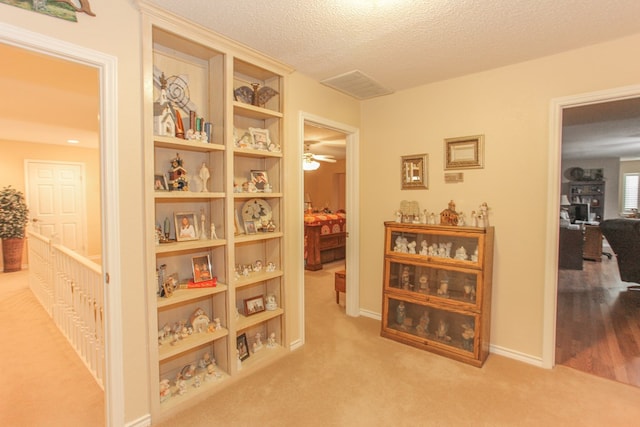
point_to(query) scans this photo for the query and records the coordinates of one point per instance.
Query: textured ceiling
(407, 43)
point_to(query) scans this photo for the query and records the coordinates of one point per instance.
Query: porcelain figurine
(400, 313)
(271, 341)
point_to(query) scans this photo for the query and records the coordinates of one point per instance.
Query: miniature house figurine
(164, 122)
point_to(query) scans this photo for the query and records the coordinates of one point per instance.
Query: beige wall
(323, 186)
(308, 96)
(510, 106)
(12, 173)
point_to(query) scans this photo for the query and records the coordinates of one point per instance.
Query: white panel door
(56, 202)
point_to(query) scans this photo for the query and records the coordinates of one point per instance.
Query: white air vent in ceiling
(357, 84)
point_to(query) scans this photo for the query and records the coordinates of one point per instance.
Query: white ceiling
(399, 43)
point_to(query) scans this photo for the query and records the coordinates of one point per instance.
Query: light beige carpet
(44, 382)
(347, 375)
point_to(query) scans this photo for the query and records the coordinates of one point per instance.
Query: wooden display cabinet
(437, 289)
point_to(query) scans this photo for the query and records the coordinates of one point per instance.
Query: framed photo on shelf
(242, 346)
(201, 266)
(260, 137)
(250, 227)
(414, 172)
(466, 152)
(260, 179)
(254, 305)
(160, 182)
(186, 226)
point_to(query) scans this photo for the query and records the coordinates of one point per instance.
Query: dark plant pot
(12, 254)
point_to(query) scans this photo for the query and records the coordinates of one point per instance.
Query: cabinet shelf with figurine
(213, 143)
(437, 288)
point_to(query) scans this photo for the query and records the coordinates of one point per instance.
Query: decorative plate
(256, 210)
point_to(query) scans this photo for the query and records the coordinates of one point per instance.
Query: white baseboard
(294, 345)
(516, 355)
(370, 314)
(144, 421)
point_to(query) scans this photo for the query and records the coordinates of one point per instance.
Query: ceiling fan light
(310, 165)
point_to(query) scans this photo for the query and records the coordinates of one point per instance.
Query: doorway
(351, 198)
(106, 68)
(558, 108)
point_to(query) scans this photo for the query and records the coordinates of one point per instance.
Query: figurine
(214, 235)
(257, 345)
(398, 216)
(424, 284)
(196, 381)
(271, 341)
(468, 334)
(182, 386)
(165, 390)
(443, 289)
(441, 332)
(474, 219)
(271, 303)
(204, 176)
(423, 324)
(432, 218)
(424, 250)
(461, 253)
(469, 292)
(412, 247)
(400, 313)
(178, 175)
(483, 215)
(449, 216)
(271, 266)
(461, 219)
(405, 279)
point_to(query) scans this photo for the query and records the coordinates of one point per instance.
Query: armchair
(623, 234)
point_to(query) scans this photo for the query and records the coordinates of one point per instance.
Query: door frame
(83, 202)
(553, 193)
(107, 67)
(352, 300)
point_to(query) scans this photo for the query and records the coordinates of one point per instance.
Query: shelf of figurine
(410, 213)
(441, 327)
(257, 348)
(245, 274)
(255, 141)
(197, 375)
(182, 335)
(455, 285)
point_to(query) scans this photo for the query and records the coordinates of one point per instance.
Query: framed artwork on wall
(414, 172)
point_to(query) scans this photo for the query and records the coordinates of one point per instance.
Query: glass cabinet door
(435, 246)
(425, 282)
(442, 328)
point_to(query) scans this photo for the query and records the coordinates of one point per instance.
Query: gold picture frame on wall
(465, 152)
(414, 172)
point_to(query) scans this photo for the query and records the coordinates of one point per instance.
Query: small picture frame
(186, 226)
(254, 305)
(414, 172)
(465, 152)
(260, 138)
(201, 266)
(160, 182)
(260, 179)
(242, 345)
(250, 227)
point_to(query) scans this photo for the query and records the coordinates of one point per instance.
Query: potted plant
(14, 215)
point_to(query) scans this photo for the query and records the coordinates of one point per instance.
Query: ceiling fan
(310, 160)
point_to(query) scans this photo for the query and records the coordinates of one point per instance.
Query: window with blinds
(630, 191)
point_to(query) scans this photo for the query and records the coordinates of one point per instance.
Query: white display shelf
(176, 400)
(266, 354)
(188, 195)
(251, 152)
(245, 322)
(256, 278)
(257, 195)
(255, 112)
(189, 245)
(183, 144)
(167, 351)
(186, 295)
(244, 238)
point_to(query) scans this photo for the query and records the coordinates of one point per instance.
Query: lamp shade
(310, 165)
(564, 200)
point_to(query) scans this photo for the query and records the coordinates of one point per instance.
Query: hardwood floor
(598, 322)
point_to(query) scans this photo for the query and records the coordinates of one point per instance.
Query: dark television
(578, 212)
